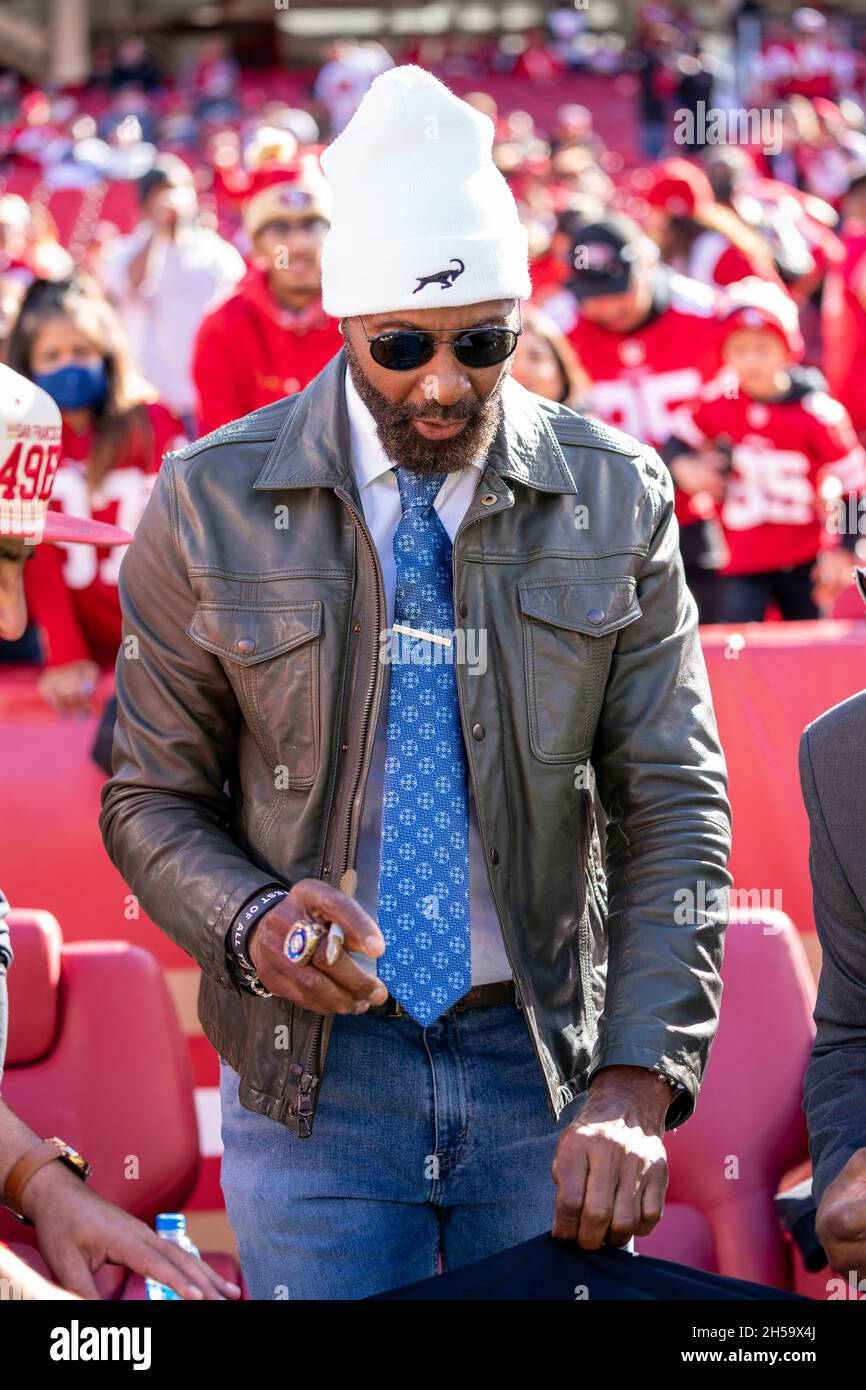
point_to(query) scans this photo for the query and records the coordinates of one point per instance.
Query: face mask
(75, 387)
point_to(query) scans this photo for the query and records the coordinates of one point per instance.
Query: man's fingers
(626, 1214)
(570, 1182)
(190, 1277)
(75, 1275)
(597, 1211)
(330, 905)
(348, 973)
(652, 1200)
(315, 990)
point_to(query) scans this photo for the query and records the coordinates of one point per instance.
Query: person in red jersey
(843, 310)
(271, 336)
(774, 435)
(697, 235)
(649, 339)
(69, 341)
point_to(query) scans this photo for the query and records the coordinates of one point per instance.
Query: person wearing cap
(832, 755)
(774, 436)
(163, 277)
(271, 336)
(393, 631)
(649, 338)
(77, 1231)
(698, 236)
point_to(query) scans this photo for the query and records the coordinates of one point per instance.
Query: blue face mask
(75, 387)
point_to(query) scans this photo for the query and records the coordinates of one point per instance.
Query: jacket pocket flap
(591, 606)
(249, 635)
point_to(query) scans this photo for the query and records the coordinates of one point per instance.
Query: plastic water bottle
(171, 1226)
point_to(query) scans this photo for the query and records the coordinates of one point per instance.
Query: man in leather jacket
(267, 743)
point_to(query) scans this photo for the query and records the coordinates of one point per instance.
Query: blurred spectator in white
(163, 276)
(347, 76)
(14, 228)
(11, 294)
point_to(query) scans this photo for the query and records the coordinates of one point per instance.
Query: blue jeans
(427, 1143)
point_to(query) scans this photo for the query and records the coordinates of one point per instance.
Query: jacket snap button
(494, 856)
(464, 608)
(478, 731)
(488, 498)
(246, 646)
(596, 615)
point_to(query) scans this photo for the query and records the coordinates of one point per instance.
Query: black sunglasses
(405, 349)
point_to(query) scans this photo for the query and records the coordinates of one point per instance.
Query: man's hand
(78, 1232)
(342, 988)
(841, 1219)
(610, 1168)
(69, 689)
(833, 571)
(701, 472)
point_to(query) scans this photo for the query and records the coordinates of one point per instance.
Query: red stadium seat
(749, 1128)
(97, 1056)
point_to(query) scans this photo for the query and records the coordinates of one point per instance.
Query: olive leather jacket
(249, 681)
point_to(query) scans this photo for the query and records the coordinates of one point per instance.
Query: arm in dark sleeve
(835, 1081)
(165, 817)
(663, 784)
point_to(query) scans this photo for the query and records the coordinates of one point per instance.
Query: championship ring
(302, 941)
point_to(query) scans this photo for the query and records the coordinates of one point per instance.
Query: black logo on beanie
(445, 278)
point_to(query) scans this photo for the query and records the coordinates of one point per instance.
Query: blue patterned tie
(424, 868)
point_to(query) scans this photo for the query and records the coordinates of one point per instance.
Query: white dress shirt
(380, 499)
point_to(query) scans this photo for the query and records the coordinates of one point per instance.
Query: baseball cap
(679, 188)
(603, 255)
(756, 303)
(286, 191)
(30, 434)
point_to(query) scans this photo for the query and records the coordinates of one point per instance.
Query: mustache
(440, 414)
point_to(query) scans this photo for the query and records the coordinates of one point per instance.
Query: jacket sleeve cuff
(629, 1055)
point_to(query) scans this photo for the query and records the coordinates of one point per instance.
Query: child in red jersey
(69, 341)
(775, 435)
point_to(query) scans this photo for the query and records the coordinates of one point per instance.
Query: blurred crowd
(160, 242)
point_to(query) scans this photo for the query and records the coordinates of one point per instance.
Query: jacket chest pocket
(271, 657)
(569, 633)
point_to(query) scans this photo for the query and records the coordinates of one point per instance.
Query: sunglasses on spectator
(405, 349)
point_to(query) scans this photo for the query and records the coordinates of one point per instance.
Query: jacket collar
(313, 448)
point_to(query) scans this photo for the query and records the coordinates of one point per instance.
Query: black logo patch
(445, 278)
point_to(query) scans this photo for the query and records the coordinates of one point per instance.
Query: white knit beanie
(422, 218)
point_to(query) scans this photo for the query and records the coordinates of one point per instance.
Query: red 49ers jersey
(640, 380)
(779, 452)
(72, 589)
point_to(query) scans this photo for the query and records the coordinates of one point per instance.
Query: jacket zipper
(523, 994)
(310, 1078)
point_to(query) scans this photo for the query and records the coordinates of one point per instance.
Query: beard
(402, 443)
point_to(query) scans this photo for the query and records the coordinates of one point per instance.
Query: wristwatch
(23, 1169)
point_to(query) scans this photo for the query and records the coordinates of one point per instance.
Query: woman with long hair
(68, 340)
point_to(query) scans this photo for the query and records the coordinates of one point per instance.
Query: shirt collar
(369, 460)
